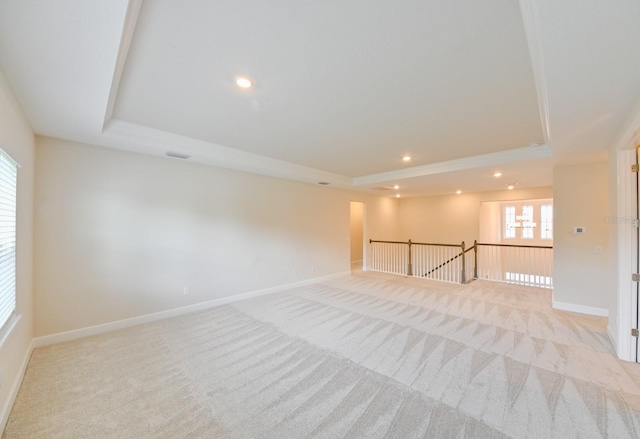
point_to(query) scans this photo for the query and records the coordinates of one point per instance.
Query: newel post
(475, 259)
(409, 265)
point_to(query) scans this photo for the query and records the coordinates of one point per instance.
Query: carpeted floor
(364, 356)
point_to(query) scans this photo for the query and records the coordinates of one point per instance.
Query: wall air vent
(177, 155)
(324, 183)
(382, 188)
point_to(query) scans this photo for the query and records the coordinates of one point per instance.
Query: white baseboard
(147, 318)
(613, 340)
(15, 387)
(582, 309)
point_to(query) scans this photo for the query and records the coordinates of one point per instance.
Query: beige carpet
(364, 356)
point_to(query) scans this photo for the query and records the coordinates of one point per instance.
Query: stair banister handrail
(409, 243)
(514, 245)
(407, 265)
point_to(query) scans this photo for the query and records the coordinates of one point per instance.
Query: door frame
(626, 258)
(634, 250)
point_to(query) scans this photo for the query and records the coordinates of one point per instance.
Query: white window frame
(8, 197)
(509, 216)
(546, 221)
(527, 215)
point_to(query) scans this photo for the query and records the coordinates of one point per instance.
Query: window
(527, 220)
(546, 221)
(8, 180)
(509, 222)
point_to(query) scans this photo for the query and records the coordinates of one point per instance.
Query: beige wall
(451, 219)
(582, 276)
(357, 218)
(16, 138)
(120, 235)
(490, 222)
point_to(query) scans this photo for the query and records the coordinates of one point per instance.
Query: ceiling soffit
(336, 90)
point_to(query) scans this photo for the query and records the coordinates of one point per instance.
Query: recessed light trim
(406, 158)
(458, 192)
(511, 187)
(244, 82)
(396, 187)
(397, 195)
(497, 174)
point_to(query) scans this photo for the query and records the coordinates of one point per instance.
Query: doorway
(358, 257)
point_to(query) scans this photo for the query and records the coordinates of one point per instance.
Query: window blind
(8, 182)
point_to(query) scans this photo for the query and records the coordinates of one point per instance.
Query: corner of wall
(18, 140)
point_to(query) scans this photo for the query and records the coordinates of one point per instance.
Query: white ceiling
(342, 89)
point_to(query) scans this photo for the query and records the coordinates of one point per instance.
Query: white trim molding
(15, 387)
(128, 29)
(477, 161)
(148, 318)
(582, 309)
(625, 346)
(8, 329)
(532, 31)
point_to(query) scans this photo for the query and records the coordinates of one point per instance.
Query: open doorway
(357, 235)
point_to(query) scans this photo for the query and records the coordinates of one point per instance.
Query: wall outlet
(186, 290)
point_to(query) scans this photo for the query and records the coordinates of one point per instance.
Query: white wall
(451, 219)
(118, 235)
(582, 275)
(17, 139)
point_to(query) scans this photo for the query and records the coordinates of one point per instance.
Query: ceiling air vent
(324, 183)
(177, 155)
(382, 188)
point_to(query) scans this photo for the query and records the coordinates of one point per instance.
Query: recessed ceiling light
(458, 192)
(396, 187)
(397, 195)
(510, 187)
(497, 174)
(406, 158)
(244, 82)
